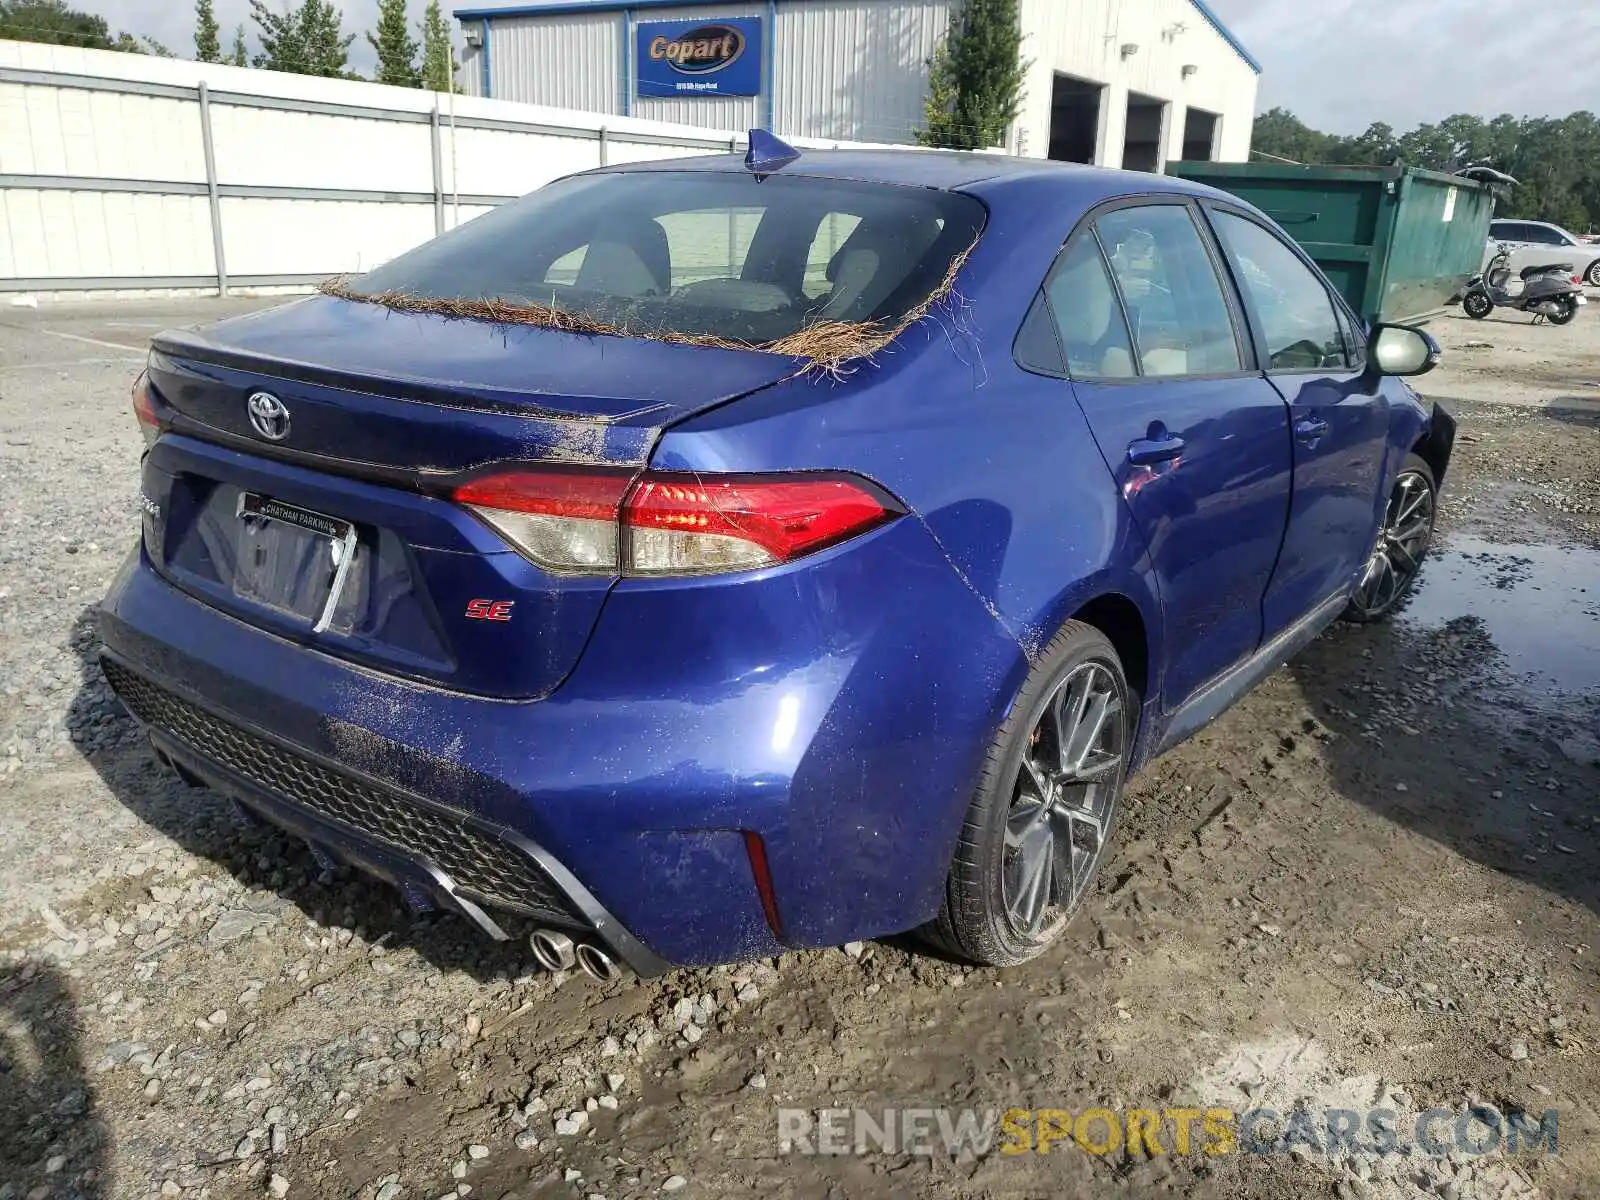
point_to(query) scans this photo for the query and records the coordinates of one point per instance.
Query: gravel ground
(1376, 882)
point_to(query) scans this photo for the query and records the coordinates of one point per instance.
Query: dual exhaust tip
(557, 951)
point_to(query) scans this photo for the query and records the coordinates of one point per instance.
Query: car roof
(953, 170)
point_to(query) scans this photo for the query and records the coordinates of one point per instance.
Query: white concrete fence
(123, 173)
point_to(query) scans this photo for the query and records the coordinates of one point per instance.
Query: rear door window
(1088, 318)
(1181, 323)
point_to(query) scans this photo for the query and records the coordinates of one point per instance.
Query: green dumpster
(1399, 242)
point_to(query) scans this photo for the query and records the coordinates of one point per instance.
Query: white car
(1534, 243)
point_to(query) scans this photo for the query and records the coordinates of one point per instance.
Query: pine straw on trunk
(829, 347)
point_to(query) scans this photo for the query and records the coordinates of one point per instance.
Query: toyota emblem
(268, 415)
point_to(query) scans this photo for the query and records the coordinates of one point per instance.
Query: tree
(238, 56)
(52, 21)
(975, 77)
(438, 57)
(1555, 159)
(397, 50)
(207, 44)
(308, 40)
(1280, 134)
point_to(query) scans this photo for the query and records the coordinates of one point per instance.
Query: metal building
(1132, 83)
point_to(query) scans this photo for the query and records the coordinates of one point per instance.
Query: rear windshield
(720, 255)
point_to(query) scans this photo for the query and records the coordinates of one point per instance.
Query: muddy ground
(1373, 884)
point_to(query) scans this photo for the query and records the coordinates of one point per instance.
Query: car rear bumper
(434, 855)
(837, 710)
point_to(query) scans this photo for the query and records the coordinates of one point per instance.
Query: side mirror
(1402, 350)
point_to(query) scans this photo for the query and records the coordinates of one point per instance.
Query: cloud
(1341, 64)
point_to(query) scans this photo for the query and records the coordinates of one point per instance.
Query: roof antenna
(767, 154)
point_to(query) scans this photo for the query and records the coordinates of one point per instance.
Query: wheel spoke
(1067, 712)
(1401, 559)
(1408, 503)
(1086, 735)
(1386, 582)
(1095, 767)
(1032, 773)
(1025, 816)
(1409, 532)
(1034, 868)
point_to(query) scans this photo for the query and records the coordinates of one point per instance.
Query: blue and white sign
(699, 58)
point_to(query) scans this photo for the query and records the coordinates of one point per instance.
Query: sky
(1337, 64)
(1340, 65)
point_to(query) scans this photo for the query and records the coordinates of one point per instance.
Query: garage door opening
(1141, 148)
(1199, 135)
(1074, 119)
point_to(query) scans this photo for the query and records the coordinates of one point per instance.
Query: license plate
(1581, 299)
(292, 559)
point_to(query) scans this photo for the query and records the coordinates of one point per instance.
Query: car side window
(1290, 303)
(1180, 321)
(1088, 319)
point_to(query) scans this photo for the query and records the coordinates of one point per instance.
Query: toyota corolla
(699, 559)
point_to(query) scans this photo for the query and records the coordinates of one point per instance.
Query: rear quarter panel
(1000, 470)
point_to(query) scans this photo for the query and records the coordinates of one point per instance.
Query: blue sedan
(700, 559)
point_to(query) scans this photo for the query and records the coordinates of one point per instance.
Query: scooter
(1549, 290)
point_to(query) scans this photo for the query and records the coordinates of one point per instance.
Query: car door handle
(1147, 450)
(1310, 430)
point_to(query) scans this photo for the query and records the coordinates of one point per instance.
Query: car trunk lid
(331, 523)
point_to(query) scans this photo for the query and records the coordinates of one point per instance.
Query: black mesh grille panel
(479, 863)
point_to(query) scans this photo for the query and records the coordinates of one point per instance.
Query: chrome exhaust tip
(554, 949)
(597, 964)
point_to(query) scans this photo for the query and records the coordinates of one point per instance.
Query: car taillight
(144, 411)
(689, 524)
(563, 520)
(606, 522)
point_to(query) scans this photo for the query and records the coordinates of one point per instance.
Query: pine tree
(207, 46)
(308, 40)
(975, 77)
(438, 59)
(397, 51)
(52, 21)
(327, 45)
(239, 56)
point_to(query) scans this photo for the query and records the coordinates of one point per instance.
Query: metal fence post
(211, 189)
(438, 171)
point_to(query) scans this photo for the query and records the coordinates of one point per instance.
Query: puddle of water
(1539, 604)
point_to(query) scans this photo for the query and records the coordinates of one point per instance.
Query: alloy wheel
(1594, 273)
(1396, 559)
(1062, 799)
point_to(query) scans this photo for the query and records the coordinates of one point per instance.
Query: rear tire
(1401, 546)
(1046, 804)
(1593, 274)
(1568, 308)
(1476, 305)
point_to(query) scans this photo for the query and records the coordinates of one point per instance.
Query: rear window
(721, 255)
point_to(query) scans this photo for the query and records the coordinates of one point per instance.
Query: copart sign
(699, 58)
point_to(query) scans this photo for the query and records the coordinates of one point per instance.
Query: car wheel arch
(1128, 614)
